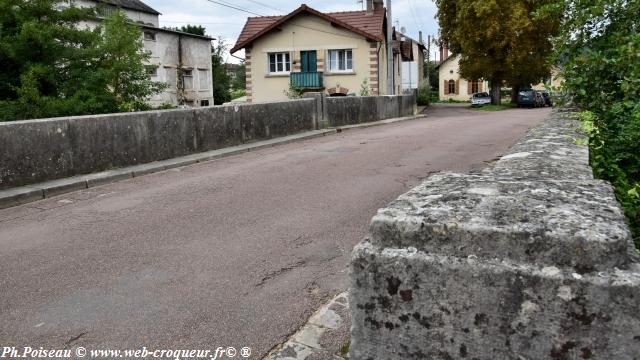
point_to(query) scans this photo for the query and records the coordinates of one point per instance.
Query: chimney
(420, 39)
(446, 52)
(441, 54)
(373, 5)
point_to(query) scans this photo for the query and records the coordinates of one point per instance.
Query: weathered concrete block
(362, 109)
(111, 141)
(407, 304)
(276, 119)
(34, 151)
(553, 223)
(218, 127)
(554, 150)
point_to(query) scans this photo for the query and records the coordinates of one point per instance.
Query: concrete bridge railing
(530, 260)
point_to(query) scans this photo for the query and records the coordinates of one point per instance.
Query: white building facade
(181, 60)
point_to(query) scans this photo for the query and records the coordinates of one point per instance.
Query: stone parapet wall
(39, 150)
(35, 151)
(530, 260)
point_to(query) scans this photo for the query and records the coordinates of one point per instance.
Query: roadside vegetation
(49, 67)
(598, 50)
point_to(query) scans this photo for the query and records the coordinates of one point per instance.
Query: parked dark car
(547, 98)
(526, 98)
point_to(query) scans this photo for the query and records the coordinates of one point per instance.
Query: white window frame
(338, 57)
(282, 63)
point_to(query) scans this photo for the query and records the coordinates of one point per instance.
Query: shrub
(598, 53)
(424, 95)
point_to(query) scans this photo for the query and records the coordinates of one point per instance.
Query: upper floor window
(279, 63)
(187, 79)
(340, 60)
(475, 86)
(204, 79)
(150, 35)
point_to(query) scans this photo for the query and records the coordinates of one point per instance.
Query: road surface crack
(279, 272)
(73, 339)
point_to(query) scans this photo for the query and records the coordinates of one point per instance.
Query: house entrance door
(308, 61)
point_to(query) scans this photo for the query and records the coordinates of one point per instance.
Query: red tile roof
(370, 26)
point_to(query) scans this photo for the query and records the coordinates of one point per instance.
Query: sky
(226, 23)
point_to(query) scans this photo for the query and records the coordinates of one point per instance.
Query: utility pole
(390, 69)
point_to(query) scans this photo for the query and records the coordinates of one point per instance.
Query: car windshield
(526, 93)
(481, 95)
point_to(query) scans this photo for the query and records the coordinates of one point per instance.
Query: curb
(34, 192)
(325, 335)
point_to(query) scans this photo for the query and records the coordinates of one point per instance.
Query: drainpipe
(180, 73)
(379, 62)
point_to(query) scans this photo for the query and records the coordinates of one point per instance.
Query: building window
(204, 79)
(105, 10)
(152, 70)
(150, 35)
(204, 103)
(340, 60)
(279, 63)
(187, 79)
(452, 87)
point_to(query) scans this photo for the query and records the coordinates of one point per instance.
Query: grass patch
(345, 348)
(495, 107)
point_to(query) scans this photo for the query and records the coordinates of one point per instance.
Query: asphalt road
(233, 252)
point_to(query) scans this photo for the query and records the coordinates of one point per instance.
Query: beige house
(338, 53)
(452, 85)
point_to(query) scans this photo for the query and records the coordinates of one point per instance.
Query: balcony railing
(307, 80)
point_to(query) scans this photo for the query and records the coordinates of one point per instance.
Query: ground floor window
(204, 103)
(340, 60)
(279, 63)
(452, 87)
(475, 86)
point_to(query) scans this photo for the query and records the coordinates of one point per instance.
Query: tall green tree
(240, 81)
(42, 56)
(498, 40)
(51, 66)
(121, 65)
(221, 82)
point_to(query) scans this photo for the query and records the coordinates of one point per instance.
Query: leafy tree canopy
(221, 82)
(190, 29)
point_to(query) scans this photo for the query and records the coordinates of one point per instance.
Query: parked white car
(480, 99)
